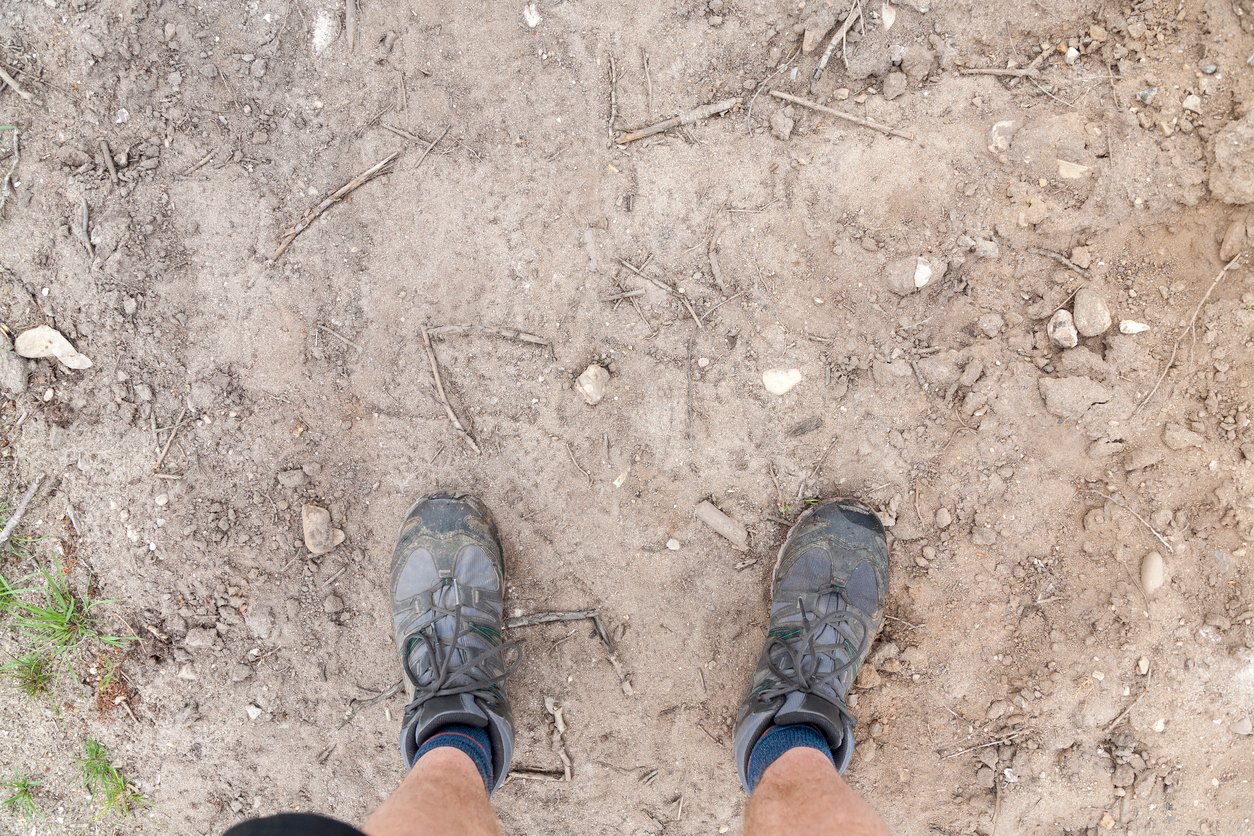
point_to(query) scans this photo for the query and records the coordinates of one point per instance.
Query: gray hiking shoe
(448, 578)
(830, 584)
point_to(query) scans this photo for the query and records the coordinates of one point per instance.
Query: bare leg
(443, 795)
(803, 793)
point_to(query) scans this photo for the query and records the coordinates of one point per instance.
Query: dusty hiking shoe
(830, 584)
(448, 576)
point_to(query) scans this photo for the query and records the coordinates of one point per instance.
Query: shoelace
(797, 668)
(440, 651)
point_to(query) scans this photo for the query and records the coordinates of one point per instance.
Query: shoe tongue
(813, 710)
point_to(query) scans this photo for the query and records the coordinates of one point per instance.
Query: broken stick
(690, 117)
(329, 201)
(491, 330)
(443, 398)
(13, 85)
(854, 14)
(840, 114)
(1022, 72)
(19, 510)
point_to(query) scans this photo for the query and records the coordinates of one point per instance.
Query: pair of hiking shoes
(447, 588)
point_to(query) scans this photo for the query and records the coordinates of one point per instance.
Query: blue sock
(473, 741)
(777, 740)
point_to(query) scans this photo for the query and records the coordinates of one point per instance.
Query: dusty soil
(1021, 479)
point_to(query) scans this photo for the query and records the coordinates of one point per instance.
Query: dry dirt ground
(1027, 681)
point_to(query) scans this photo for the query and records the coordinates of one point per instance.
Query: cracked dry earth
(1071, 497)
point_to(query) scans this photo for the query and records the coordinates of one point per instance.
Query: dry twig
(14, 86)
(491, 330)
(443, 398)
(174, 430)
(1140, 519)
(689, 117)
(1021, 72)
(6, 185)
(1059, 258)
(840, 114)
(1192, 321)
(855, 12)
(330, 200)
(20, 509)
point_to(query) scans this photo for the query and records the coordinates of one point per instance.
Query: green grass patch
(33, 673)
(106, 783)
(20, 796)
(60, 620)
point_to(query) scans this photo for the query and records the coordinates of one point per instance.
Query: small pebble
(943, 518)
(1062, 330)
(780, 381)
(1131, 326)
(1153, 572)
(672, 544)
(254, 711)
(1193, 102)
(1242, 727)
(1142, 666)
(1147, 95)
(1091, 315)
(592, 383)
(1072, 55)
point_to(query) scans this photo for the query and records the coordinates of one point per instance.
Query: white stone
(780, 381)
(531, 15)
(672, 544)
(1153, 572)
(1131, 326)
(591, 384)
(43, 341)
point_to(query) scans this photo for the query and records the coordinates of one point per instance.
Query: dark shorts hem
(294, 824)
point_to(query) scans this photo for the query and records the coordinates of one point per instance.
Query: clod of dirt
(781, 125)
(292, 478)
(918, 62)
(1062, 330)
(320, 537)
(592, 383)
(1001, 134)
(780, 381)
(1131, 326)
(1068, 170)
(92, 45)
(13, 369)
(816, 28)
(732, 530)
(1232, 176)
(1153, 572)
(907, 275)
(1178, 437)
(1072, 397)
(1235, 238)
(1092, 316)
(943, 518)
(894, 85)
(44, 341)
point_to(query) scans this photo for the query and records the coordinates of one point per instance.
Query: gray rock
(983, 537)
(333, 604)
(320, 536)
(943, 518)
(253, 711)
(1092, 316)
(1062, 330)
(241, 673)
(1242, 727)
(1178, 437)
(894, 85)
